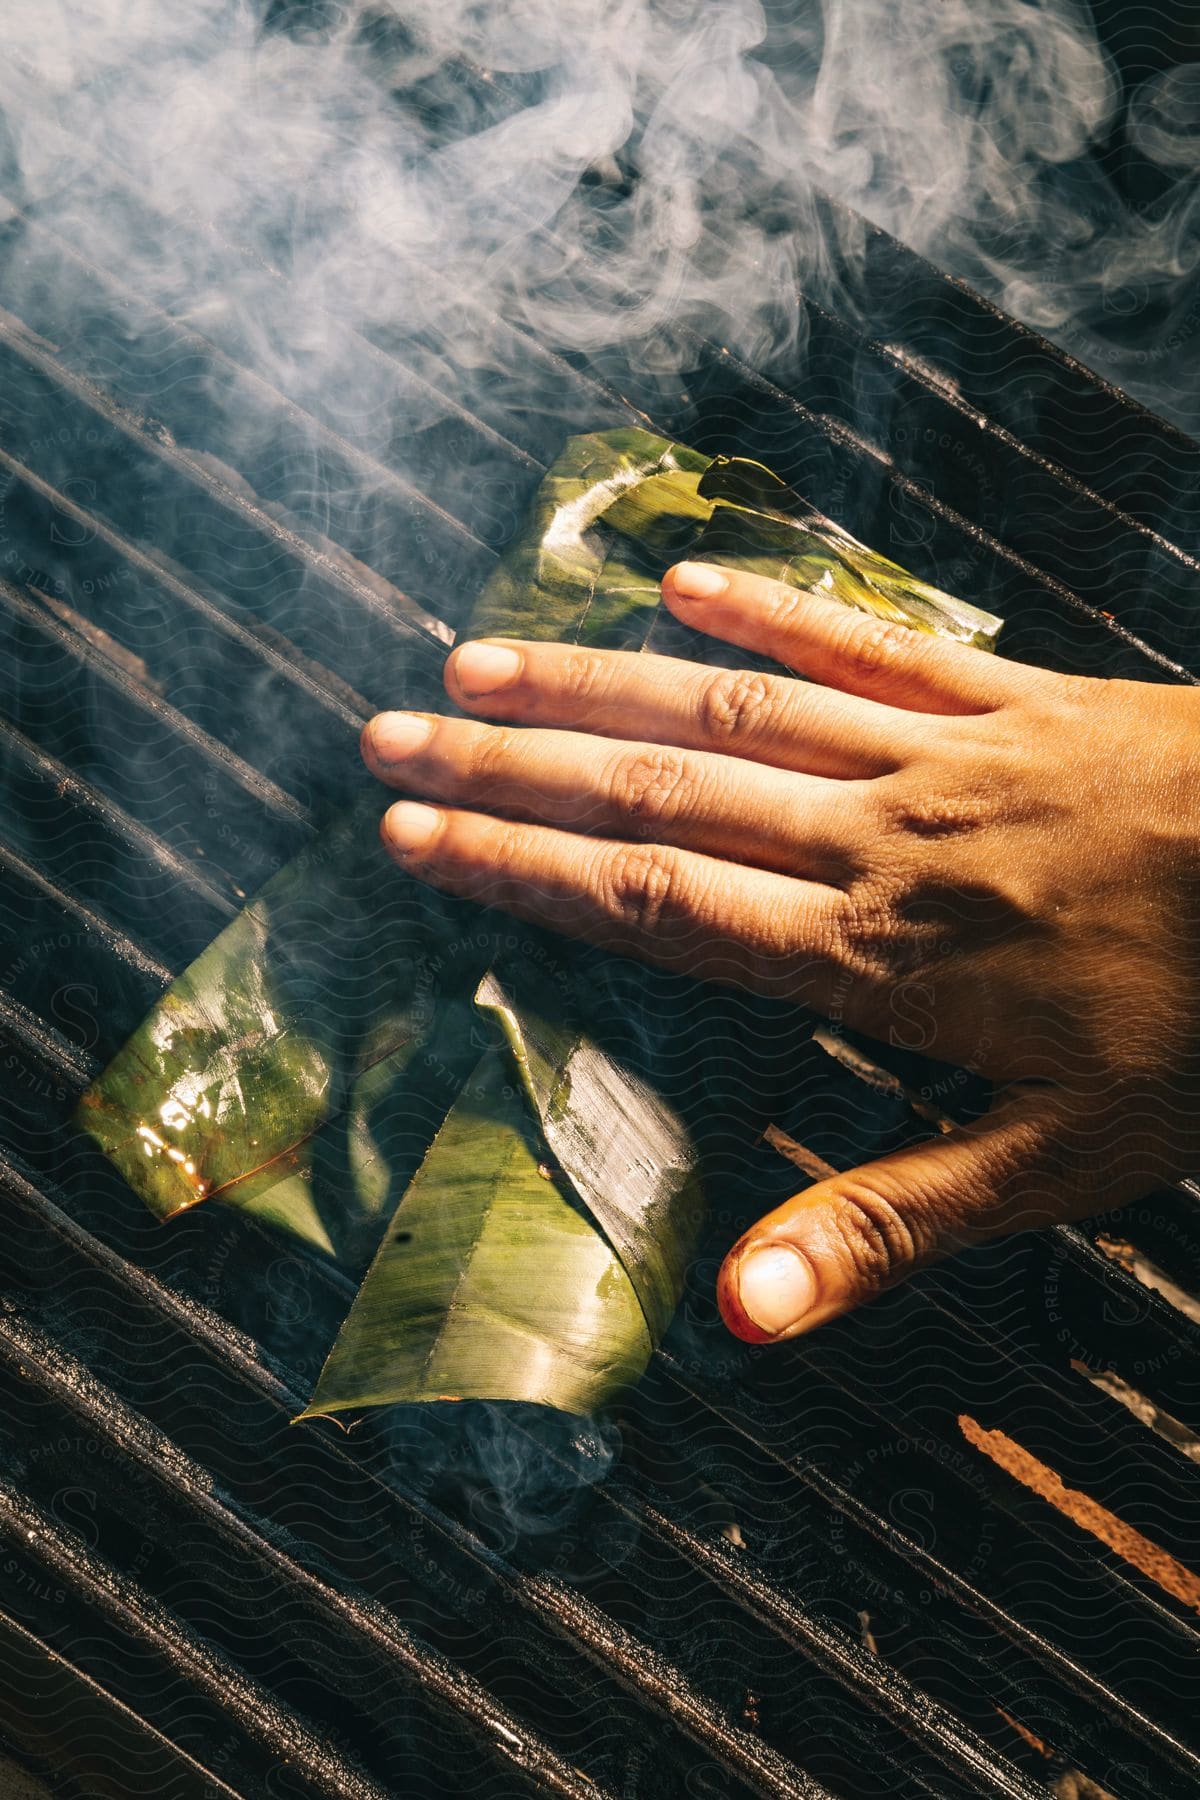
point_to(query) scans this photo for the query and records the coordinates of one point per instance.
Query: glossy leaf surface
(489, 1284)
(353, 1063)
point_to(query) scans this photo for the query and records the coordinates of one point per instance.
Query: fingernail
(395, 735)
(409, 824)
(698, 581)
(775, 1287)
(482, 668)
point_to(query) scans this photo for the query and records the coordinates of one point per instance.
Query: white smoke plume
(469, 184)
(596, 172)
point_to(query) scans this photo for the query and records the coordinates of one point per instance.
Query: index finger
(837, 644)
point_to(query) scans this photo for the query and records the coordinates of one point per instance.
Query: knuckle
(787, 604)
(869, 646)
(651, 787)
(1085, 691)
(505, 847)
(868, 946)
(492, 752)
(931, 815)
(581, 677)
(638, 885)
(734, 704)
(879, 1242)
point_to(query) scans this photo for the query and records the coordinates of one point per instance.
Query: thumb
(844, 1240)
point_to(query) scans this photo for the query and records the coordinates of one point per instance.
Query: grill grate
(805, 1577)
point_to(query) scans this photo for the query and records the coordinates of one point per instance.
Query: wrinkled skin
(981, 860)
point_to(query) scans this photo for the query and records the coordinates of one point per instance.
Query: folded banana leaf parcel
(497, 1131)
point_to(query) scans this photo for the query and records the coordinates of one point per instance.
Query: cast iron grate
(832, 1571)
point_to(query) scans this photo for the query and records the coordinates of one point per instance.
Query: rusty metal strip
(1117, 1535)
(938, 1575)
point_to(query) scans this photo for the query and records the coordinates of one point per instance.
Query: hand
(922, 835)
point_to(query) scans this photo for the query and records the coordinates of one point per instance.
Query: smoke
(390, 215)
(596, 174)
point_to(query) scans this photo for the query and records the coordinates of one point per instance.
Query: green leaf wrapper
(489, 1284)
(352, 1058)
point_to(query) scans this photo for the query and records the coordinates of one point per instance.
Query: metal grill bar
(582, 1626)
(1042, 1669)
(278, 1574)
(1093, 1583)
(921, 1719)
(1167, 1339)
(378, 599)
(1043, 401)
(560, 375)
(282, 663)
(1095, 638)
(1052, 401)
(107, 939)
(30, 1535)
(56, 1711)
(842, 437)
(1080, 1731)
(183, 337)
(19, 753)
(68, 647)
(58, 897)
(45, 1047)
(707, 1400)
(1094, 536)
(1025, 1397)
(960, 1321)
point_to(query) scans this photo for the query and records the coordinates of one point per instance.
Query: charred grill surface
(830, 1571)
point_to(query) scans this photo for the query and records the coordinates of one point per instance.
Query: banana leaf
(732, 512)
(490, 1282)
(615, 1140)
(355, 1060)
(329, 970)
(324, 992)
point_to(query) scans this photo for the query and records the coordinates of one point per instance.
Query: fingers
(673, 907)
(840, 646)
(850, 1236)
(743, 811)
(665, 700)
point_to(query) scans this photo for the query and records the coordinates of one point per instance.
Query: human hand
(922, 834)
